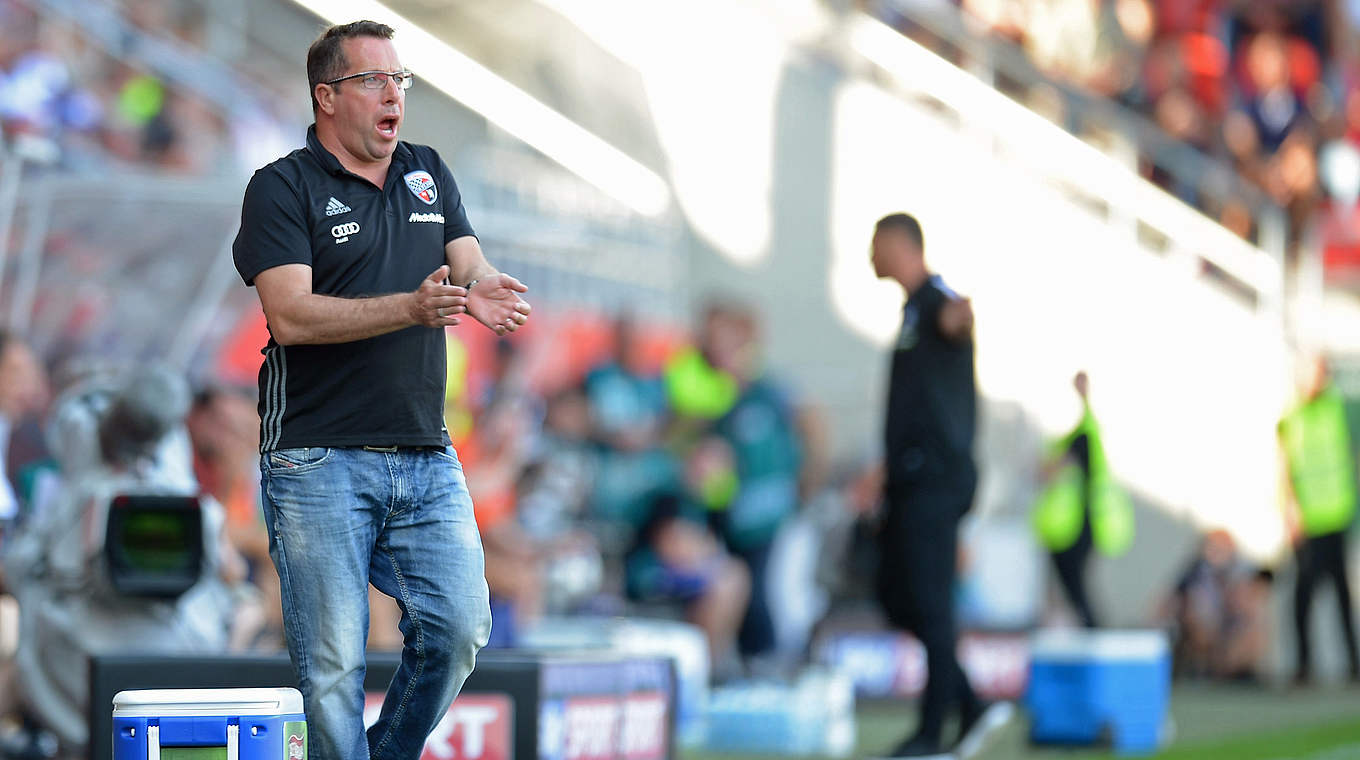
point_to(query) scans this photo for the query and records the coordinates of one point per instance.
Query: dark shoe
(980, 726)
(922, 747)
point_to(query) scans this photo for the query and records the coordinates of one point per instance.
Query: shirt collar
(400, 157)
(327, 159)
(931, 279)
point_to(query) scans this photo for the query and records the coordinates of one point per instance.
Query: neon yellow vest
(697, 389)
(457, 412)
(1317, 444)
(1057, 514)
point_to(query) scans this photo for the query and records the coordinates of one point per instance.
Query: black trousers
(915, 584)
(1071, 566)
(757, 635)
(1322, 557)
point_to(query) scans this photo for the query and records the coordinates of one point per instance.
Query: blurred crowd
(65, 99)
(657, 477)
(619, 469)
(652, 476)
(1271, 87)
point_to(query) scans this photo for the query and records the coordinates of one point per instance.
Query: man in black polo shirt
(930, 480)
(351, 243)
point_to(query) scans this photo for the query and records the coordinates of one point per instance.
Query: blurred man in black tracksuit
(930, 481)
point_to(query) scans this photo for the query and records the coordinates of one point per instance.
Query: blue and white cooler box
(209, 724)
(1090, 686)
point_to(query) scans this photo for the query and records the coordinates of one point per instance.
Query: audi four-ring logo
(341, 232)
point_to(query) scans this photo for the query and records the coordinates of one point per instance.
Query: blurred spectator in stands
(515, 578)
(514, 565)
(1006, 18)
(494, 456)
(1273, 88)
(628, 414)
(627, 404)
(1292, 177)
(1187, 53)
(187, 136)
(151, 16)
(1182, 117)
(1335, 229)
(1261, 84)
(506, 425)
(138, 127)
(554, 490)
(23, 395)
(1219, 613)
(224, 431)
(557, 483)
(40, 97)
(675, 560)
(1126, 29)
(697, 389)
(1098, 45)
(762, 431)
(1236, 216)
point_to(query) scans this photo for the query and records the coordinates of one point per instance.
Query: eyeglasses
(377, 80)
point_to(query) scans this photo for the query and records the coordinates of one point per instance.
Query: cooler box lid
(1072, 645)
(181, 702)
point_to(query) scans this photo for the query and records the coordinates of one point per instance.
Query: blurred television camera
(124, 554)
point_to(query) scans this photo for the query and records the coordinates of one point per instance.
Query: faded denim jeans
(340, 518)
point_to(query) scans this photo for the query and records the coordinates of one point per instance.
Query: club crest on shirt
(422, 185)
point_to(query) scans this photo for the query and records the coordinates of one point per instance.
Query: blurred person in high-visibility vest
(1316, 444)
(1082, 507)
(930, 482)
(763, 431)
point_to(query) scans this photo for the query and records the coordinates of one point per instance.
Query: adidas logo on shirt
(334, 207)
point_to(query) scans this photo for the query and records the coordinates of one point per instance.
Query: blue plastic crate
(1089, 686)
(813, 716)
(209, 724)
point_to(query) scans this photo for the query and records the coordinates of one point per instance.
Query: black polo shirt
(932, 398)
(360, 241)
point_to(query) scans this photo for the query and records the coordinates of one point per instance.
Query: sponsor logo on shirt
(422, 186)
(341, 232)
(415, 217)
(334, 207)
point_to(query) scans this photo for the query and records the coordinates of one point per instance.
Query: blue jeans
(340, 519)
